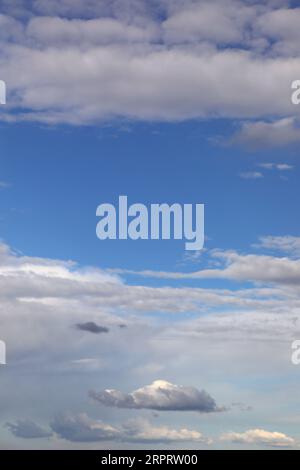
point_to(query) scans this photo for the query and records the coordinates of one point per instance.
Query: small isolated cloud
(81, 428)
(260, 437)
(160, 396)
(286, 244)
(4, 185)
(241, 406)
(268, 134)
(28, 430)
(251, 175)
(92, 327)
(276, 166)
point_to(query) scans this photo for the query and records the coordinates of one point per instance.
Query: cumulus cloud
(194, 23)
(27, 429)
(160, 396)
(58, 31)
(88, 8)
(268, 134)
(41, 298)
(81, 63)
(92, 327)
(81, 428)
(281, 26)
(260, 437)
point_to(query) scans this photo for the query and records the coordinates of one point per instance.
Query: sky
(125, 344)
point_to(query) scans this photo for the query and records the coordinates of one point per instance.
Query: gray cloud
(85, 62)
(262, 134)
(27, 429)
(92, 327)
(81, 428)
(194, 22)
(282, 27)
(38, 294)
(160, 396)
(285, 244)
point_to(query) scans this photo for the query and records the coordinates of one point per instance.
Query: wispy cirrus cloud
(4, 185)
(276, 166)
(283, 244)
(251, 175)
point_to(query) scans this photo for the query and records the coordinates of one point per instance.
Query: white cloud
(220, 22)
(239, 267)
(219, 332)
(251, 175)
(276, 166)
(81, 428)
(268, 134)
(260, 437)
(282, 26)
(285, 244)
(52, 31)
(161, 396)
(43, 299)
(104, 62)
(141, 430)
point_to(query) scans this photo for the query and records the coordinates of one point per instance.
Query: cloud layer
(230, 331)
(81, 428)
(80, 64)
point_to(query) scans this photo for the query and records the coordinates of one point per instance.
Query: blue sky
(70, 171)
(141, 344)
